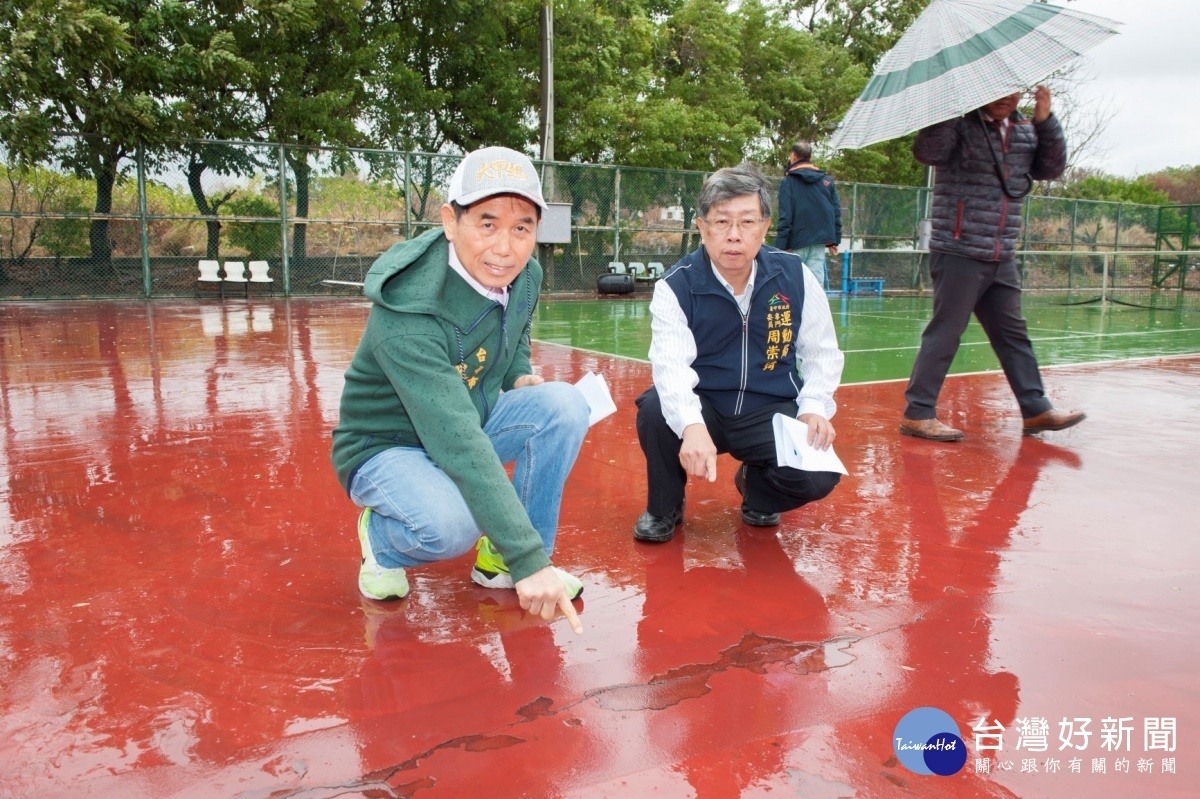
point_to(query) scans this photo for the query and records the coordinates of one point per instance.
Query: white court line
(1086, 364)
(1075, 337)
(888, 317)
(1072, 337)
(590, 352)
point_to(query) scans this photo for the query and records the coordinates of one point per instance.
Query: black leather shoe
(754, 518)
(657, 528)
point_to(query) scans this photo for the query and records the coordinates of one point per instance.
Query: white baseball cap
(494, 170)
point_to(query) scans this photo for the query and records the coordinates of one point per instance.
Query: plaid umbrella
(960, 55)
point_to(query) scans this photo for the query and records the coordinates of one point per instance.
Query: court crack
(754, 653)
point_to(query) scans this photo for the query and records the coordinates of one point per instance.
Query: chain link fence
(319, 217)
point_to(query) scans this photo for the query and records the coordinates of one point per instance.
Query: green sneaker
(490, 571)
(375, 581)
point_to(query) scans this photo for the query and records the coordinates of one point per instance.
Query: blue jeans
(420, 517)
(814, 259)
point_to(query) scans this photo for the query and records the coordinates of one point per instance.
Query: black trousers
(993, 291)
(749, 437)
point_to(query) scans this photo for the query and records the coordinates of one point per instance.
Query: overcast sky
(1151, 72)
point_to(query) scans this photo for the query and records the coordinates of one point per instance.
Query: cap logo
(501, 169)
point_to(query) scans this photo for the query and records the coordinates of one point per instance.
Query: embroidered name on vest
(779, 330)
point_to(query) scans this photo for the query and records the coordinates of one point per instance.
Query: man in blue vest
(741, 332)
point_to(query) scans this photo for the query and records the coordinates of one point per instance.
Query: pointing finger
(569, 611)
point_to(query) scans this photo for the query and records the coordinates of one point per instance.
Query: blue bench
(864, 285)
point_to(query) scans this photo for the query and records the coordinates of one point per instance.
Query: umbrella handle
(1012, 195)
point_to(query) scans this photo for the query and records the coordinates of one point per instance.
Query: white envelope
(595, 391)
(792, 448)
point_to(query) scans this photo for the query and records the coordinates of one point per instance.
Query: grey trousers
(992, 290)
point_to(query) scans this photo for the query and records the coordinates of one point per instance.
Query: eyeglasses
(726, 225)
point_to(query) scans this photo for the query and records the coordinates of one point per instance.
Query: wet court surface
(179, 615)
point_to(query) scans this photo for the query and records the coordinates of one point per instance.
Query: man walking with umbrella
(942, 78)
(986, 162)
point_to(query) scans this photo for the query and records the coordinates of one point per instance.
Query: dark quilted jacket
(972, 216)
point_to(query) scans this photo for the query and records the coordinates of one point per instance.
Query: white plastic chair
(656, 269)
(637, 269)
(616, 267)
(235, 272)
(258, 272)
(210, 273)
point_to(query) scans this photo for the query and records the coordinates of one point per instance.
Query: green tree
(29, 193)
(220, 109)
(109, 71)
(307, 84)
(1089, 184)
(801, 85)
(66, 237)
(864, 30)
(259, 239)
(1180, 183)
(447, 77)
(604, 64)
(890, 162)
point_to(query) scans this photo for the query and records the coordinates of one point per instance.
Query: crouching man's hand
(543, 594)
(820, 430)
(528, 380)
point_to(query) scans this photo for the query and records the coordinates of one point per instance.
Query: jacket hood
(809, 174)
(391, 283)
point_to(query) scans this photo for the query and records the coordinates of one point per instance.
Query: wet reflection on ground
(180, 618)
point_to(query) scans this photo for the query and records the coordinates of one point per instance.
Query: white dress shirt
(673, 349)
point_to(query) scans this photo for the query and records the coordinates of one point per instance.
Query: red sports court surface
(179, 615)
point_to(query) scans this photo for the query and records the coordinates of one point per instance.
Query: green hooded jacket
(432, 362)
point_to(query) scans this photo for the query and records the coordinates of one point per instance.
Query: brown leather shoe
(931, 429)
(1052, 420)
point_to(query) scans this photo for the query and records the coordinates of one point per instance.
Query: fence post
(1116, 235)
(1071, 263)
(617, 216)
(1104, 282)
(407, 199)
(853, 214)
(142, 222)
(283, 223)
(916, 261)
(846, 262)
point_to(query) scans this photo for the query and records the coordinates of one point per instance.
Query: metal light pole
(547, 26)
(546, 251)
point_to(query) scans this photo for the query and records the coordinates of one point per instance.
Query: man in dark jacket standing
(810, 217)
(986, 163)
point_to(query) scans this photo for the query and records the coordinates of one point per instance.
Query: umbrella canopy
(960, 55)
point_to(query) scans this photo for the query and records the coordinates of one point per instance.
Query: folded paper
(792, 448)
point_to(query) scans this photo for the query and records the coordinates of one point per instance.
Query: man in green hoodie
(440, 395)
